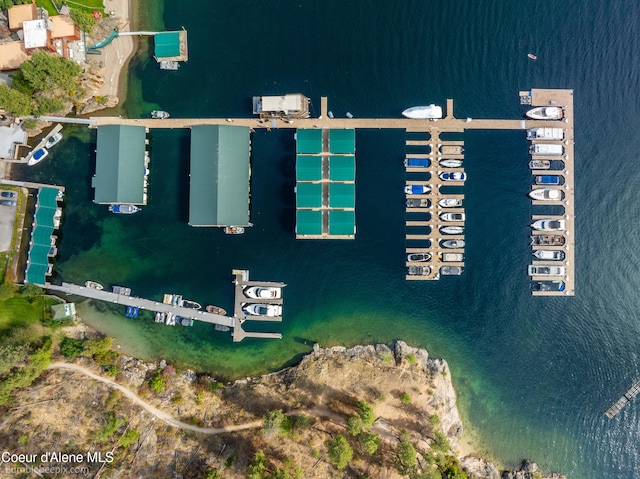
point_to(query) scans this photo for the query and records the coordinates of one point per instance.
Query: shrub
(370, 442)
(406, 453)
(113, 422)
(339, 452)
(365, 411)
(30, 291)
(258, 466)
(71, 348)
(354, 425)
(411, 358)
(405, 398)
(129, 437)
(157, 383)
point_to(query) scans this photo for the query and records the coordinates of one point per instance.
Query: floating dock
(623, 401)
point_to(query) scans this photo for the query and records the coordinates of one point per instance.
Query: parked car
(8, 194)
(7, 203)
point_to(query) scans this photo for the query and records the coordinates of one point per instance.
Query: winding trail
(163, 416)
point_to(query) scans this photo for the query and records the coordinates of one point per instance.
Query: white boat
(549, 254)
(233, 230)
(269, 310)
(159, 115)
(546, 149)
(452, 216)
(452, 244)
(545, 113)
(546, 194)
(541, 270)
(453, 176)
(53, 140)
(263, 292)
(38, 155)
(418, 257)
(124, 209)
(451, 163)
(452, 230)
(419, 270)
(93, 285)
(549, 225)
(450, 202)
(545, 134)
(417, 189)
(429, 112)
(451, 257)
(451, 270)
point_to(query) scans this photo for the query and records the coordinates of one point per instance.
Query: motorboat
(419, 270)
(547, 240)
(429, 112)
(543, 270)
(452, 216)
(555, 285)
(417, 189)
(545, 113)
(453, 176)
(215, 310)
(93, 285)
(539, 164)
(124, 209)
(549, 225)
(270, 310)
(159, 115)
(418, 257)
(450, 149)
(546, 194)
(452, 230)
(547, 180)
(452, 244)
(418, 203)
(451, 257)
(159, 317)
(185, 303)
(545, 134)
(549, 254)
(261, 292)
(417, 162)
(450, 270)
(186, 321)
(450, 202)
(233, 230)
(53, 140)
(448, 163)
(532, 56)
(546, 150)
(38, 155)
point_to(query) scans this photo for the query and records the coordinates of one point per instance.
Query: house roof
(120, 165)
(63, 27)
(18, 14)
(12, 54)
(219, 176)
(35, 34)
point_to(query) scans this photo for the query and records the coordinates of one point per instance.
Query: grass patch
(20, 312)
(91, 5)
(48, 6)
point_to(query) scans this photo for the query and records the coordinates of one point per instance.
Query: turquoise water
(534, 375)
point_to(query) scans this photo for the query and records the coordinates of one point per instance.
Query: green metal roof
(342, 141)
(48, 197)
(39, 253)
(309, 141)
(219, 176)
(308, 195)
(342, 195)
(120, 167)
(63, 311)
(167, 44)
(42, 235)
(342, 222)
(309, 168)
(308, 222)
(36, 273)
(342, 168)
(44, 216)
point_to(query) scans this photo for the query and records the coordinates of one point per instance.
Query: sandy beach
(116, 55)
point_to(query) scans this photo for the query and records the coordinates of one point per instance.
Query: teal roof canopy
(308, 222)
(342, 195)
(219, 176)
(309, 168)
(342, 168)
(48, 197)
(120, 166)
(167, 44)
(36, 273)
(309, 195)
(342, 223)
(309, 141)
(342, 141)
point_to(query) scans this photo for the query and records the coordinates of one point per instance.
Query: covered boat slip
(293, 105)
(171, 46)
(325, 184)
(120, 165)
(219, 176)
(42, 244)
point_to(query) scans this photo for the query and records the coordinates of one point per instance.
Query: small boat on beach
(159, 115)
(545, 113)
(93, 285)
(451, 163)
(216, 310)
(185, 303)
(124, 209)
(429, 112)
(233, 230)
(532, 56)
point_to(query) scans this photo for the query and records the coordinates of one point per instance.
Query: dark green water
(534, 375)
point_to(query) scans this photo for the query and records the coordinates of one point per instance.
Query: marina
(174, 306)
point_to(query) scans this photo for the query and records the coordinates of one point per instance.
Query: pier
(623, 401)
(435, 149)
(241, 282)
(234, 323)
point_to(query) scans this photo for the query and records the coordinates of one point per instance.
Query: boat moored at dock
(546, 194)
(269, 310)
(539, 164)
(546, 149)
(186, 303)
(452, 244)
(159, 115)
(260, 292)
(94, 285)
(555, 285)
(451, 163)
(549, 225)
(452, 230)
(417, 162)
(419, 270)
(417, 189)
(233, 230)
(545, 134)
(418, 203)
(450, 270)
(547, 180)
(216, 310)
(549, 254)
(124, 209)
(543, 270)
(450, 202)
(453, 176)
(418, 257)
(545, 113)
(428, 112)
(547, 240)
(452, 216)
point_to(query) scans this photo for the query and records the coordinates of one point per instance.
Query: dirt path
(163, 416)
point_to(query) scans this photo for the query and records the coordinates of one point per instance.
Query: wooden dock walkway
(623, 401)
